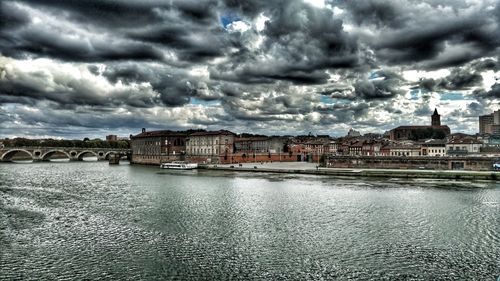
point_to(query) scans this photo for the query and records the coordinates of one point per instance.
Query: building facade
(408, 151)
(435, 130)
(464, 146)
(155, 147)
(490, 123)
(210, 147)
(433, 148)
(485, 122)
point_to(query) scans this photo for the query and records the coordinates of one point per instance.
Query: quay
(313, 169)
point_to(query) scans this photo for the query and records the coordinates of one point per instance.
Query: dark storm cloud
(493, 93)
(386, 85)
(118, 13)
(43, 43)
(252, 8)
(264, 103)
(22, 36)
(92, 59)
(426, 32)
(460, 79)
(379, 12)
(12, 16)
(428, 84)
(46, 121)
(190, 45)
(463, 78)
(110, 31)
(424, 110)
(300, 43)
(262, 74)
(176, 87)
(414, 44)
(346, 113)
(56, 86)
(487, 64)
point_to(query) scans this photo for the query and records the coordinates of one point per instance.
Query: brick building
(435, 130)
(155, 147)
(210, 147)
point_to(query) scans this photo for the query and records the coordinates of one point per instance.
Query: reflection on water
(95, 221)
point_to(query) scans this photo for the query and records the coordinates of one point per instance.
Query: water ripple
(67, 221)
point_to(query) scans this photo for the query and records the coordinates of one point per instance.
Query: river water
(92, 221)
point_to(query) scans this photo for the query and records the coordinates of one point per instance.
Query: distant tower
(436, 118)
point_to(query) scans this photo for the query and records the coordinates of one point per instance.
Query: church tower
(436, 118)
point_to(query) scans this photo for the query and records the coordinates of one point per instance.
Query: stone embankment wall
(373, 173)
(221, 159)
(431, 163)
(154, 159)
(259, 157)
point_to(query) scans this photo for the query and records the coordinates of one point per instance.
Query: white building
(463, 146)
(433, 148)
(405, 151)
(210, 144)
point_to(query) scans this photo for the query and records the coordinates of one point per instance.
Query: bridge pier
(101, 156)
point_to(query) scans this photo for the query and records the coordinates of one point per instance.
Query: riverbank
(312, 169)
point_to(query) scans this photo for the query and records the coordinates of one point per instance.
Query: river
(93, 221)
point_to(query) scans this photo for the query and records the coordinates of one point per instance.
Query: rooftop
(421, 127)
(162, 133)
(212, 133)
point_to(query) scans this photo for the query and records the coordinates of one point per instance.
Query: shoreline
(378, 173)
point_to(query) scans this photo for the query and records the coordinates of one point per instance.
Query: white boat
(179, 165)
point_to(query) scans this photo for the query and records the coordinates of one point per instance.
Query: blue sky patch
(453, 96)
(228, 19)
(330, 101)
(196, 101)
(326, 100)
(373, 75)
(414, 94)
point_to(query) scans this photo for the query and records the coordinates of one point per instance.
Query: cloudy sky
(77, 69)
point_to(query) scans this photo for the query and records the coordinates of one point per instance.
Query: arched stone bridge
(71, 153)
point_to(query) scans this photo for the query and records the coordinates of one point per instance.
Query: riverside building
(155, 147)
(210, 147)
(435, 130)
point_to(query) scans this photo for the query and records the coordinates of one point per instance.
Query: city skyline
(77, 69)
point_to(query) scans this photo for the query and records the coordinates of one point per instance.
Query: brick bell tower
(436, 118)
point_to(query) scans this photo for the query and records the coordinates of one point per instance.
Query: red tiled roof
(420, 127)
(251, 139)
(212, 133)
(464, 141)
(162, 133)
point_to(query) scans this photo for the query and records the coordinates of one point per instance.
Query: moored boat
(179, 165)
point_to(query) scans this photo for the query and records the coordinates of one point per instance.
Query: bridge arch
(106, 156)
(49, 153)
(7, 156)
(81, 154)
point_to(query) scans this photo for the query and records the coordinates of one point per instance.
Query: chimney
(143, 130)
